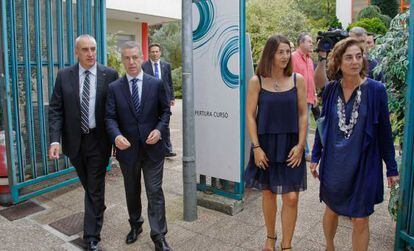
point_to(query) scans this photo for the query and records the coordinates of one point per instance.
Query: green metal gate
(404, 239)
(38, 39)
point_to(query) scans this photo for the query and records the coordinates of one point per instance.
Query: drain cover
(70, 225)
(21, 210)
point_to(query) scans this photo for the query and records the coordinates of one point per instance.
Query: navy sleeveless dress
(278, 131)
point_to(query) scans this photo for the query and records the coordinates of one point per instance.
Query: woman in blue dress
(276, 114)
(351, 141)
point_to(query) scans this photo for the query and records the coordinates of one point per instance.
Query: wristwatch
(320, 59)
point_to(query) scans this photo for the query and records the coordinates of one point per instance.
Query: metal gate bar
(37, 40)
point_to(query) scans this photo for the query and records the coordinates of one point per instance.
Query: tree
(169, 37)
(388, 7)
(374, 25)
(268, 17)
(392, 53)
(373, 11)
(319, 13)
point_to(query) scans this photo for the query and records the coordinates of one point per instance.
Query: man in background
(161, 70)
(303, 64)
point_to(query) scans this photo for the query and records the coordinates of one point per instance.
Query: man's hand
(322, 54)
(54, 151)
(172, 102)
(153, 137)
(121, 142)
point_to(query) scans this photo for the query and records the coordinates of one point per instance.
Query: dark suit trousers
(167, 140)
(90, 165)
(153, 173)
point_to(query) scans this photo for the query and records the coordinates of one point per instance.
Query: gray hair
(358, 31)
(78, 39)
(131, 45)
(302, 37)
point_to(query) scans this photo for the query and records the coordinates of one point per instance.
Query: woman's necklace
(276, 85)
(348, 128)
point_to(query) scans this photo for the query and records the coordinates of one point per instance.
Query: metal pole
(189, 170)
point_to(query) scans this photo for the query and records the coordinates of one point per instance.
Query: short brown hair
(154, 44)
(264, 68)
(335, 58)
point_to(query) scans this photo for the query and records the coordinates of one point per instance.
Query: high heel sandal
(282, 248)
(274, 246)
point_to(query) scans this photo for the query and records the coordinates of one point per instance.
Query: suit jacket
(122, 119)
(64, 109)
(165, 76)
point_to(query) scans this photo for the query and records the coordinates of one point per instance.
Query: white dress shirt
(92, 92)
(159, 67)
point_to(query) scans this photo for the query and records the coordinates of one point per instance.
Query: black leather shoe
(133, 235)
(92, 246)
(162, 245)
(170, 154)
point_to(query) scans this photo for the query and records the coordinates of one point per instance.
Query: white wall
(344, 12)
(125, 28)
(162, 8)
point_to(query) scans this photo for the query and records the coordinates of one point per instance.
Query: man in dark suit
(76, 114)
(161, 70)
(137, 115)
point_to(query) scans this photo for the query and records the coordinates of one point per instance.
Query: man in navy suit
(161, 70)
(137, 115)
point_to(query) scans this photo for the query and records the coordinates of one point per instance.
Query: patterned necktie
(157, 73)
(135, 94)
(85, 104)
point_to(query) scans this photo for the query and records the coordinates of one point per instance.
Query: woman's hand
(313, 168)
(393, 180)
(260, 158)
(295, 156)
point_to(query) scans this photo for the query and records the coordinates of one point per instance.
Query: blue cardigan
(378, 144)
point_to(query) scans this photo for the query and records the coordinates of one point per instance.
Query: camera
(327, 40)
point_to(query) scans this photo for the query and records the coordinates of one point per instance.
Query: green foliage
(334, 23)
(268, 17)
(169, 37)
(320, 14)
(113, 54)
(374, 25)
(392, 54)
(388, 7)
(176, 75)
(373, 11)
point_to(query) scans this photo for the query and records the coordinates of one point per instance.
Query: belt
(91, 131)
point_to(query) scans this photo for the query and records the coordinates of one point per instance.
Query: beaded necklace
(348, 128)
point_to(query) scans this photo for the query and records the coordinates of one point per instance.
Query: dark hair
(265, 65)
(302, 37)
(154, 44)
(335, 58)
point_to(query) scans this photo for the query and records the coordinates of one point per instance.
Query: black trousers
(167, 140)
(90, 164)
(153, 173)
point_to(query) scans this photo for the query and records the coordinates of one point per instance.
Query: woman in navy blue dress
(351, 143)
(277, 120)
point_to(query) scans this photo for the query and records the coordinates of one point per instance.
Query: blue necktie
(85, 104)
(157, 74)
(135, 94)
